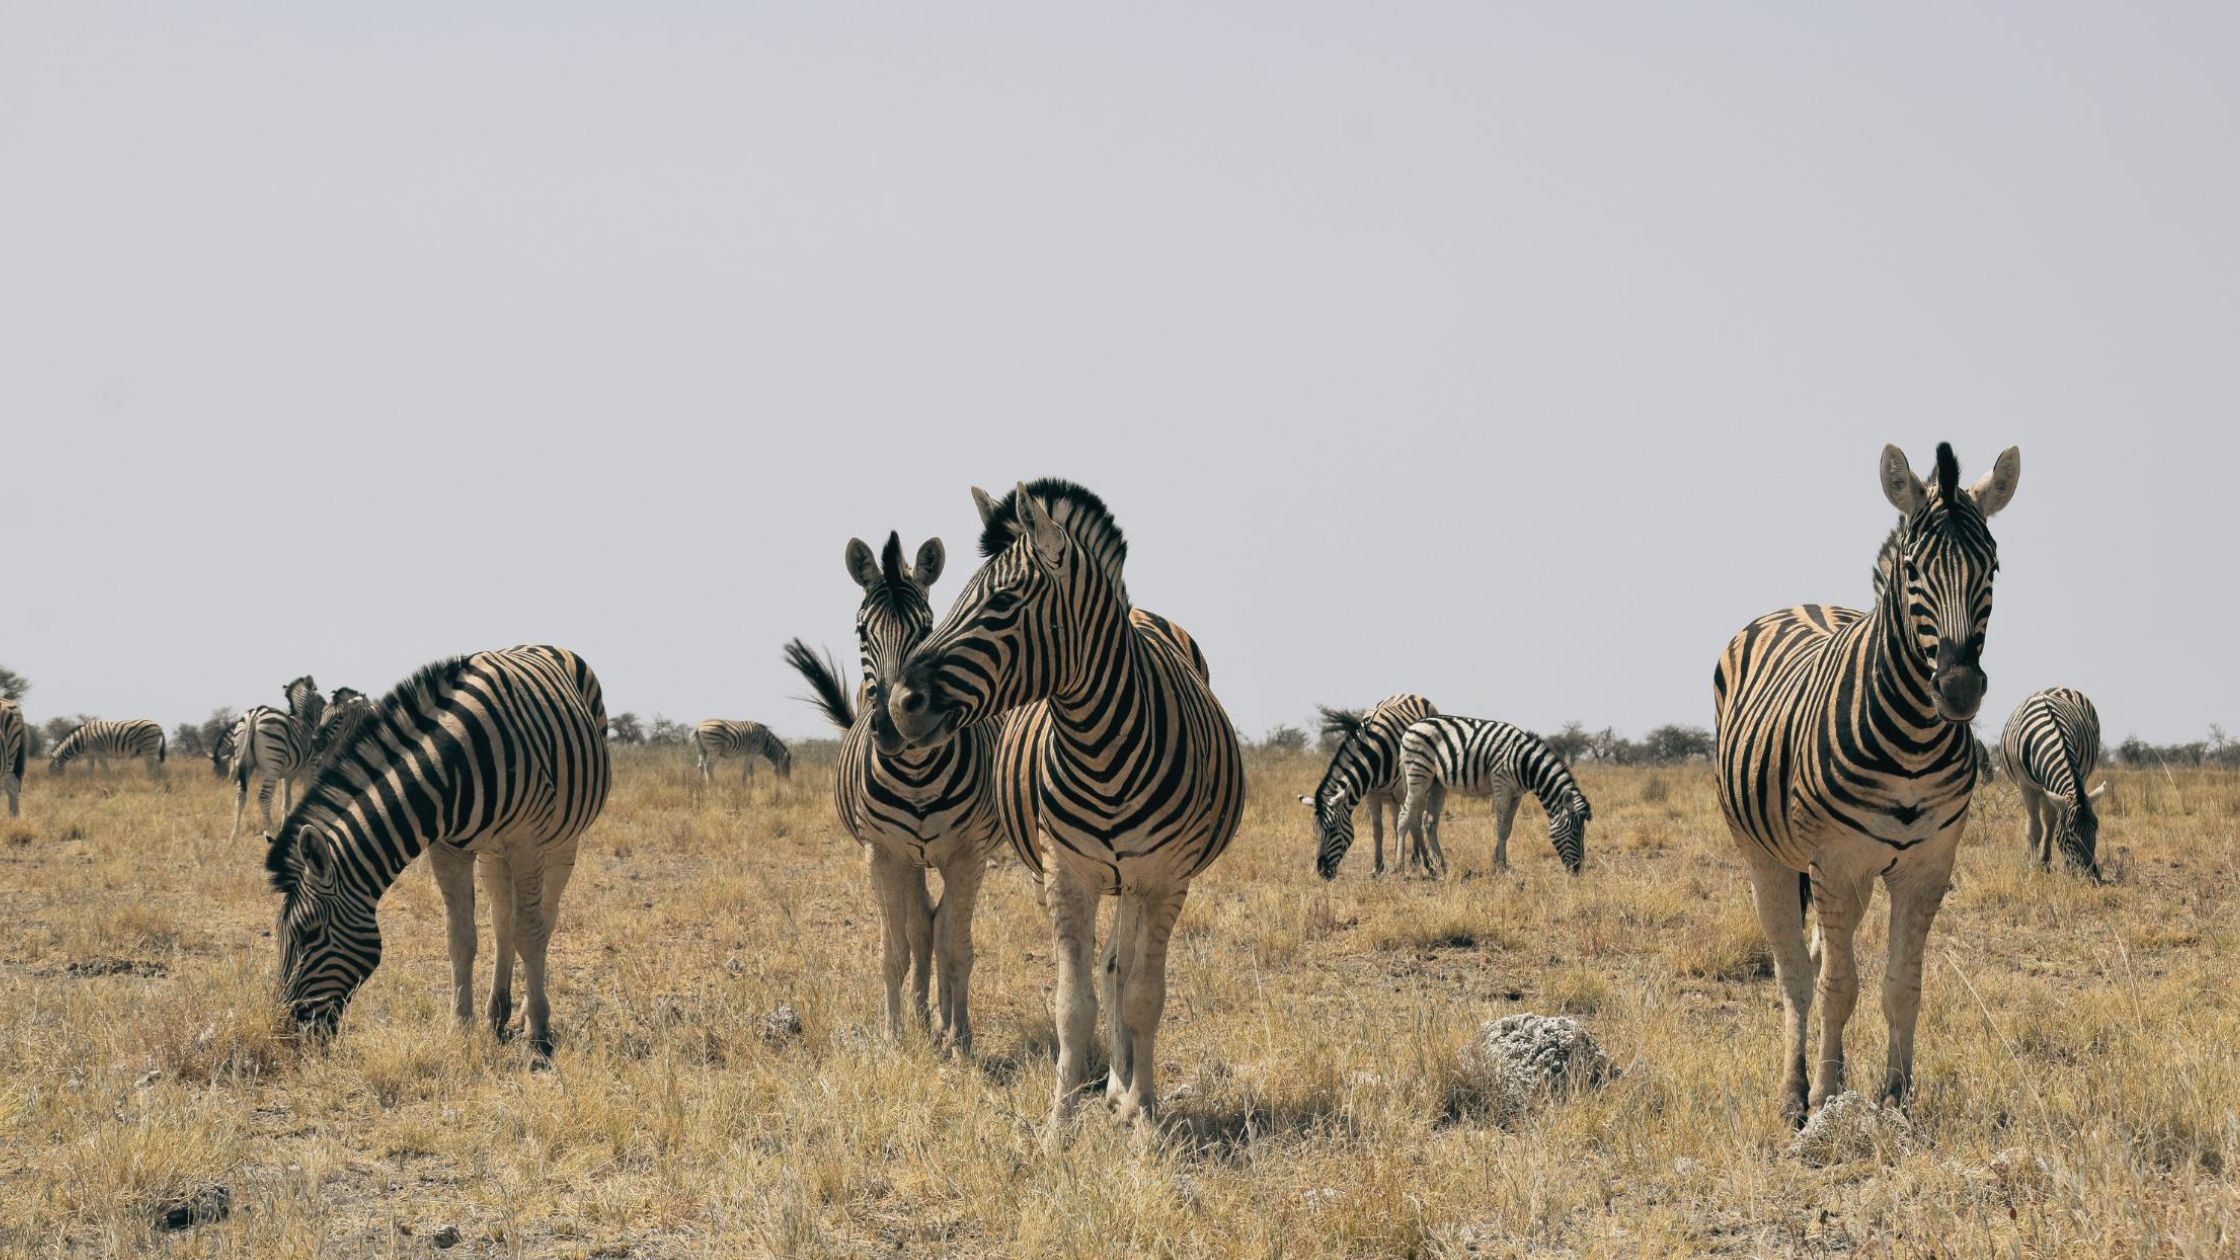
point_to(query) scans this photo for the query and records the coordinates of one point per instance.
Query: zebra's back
(2052, 741)
(1766, 695)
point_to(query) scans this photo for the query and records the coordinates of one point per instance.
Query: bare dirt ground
(2079, 1064)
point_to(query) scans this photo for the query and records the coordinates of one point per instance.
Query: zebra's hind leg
(497, 884)
(536, 915)
(1773, 889)
(952, 948)
(1504, 819)
(454, 872)
(1117, 973)
(1427, 835)
(240, 803)
(1376, 832)
(1145, 1000)
(264, 804)
(1916, 893)
(2040, 842)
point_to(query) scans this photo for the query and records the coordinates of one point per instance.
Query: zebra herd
(1048, 714)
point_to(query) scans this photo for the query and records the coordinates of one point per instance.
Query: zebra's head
(2076, 828)
(329, 939)
(1333, 830)
(1567, 828)
(1029, 623)
(893, 619)
(1940, 562)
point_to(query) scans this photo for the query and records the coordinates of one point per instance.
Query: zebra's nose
(913, 701)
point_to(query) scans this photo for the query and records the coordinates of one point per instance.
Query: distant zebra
(1987, 765)
(344, 711)
(274, 747)
(1845, 756)
(1117, 772)
(716, 739)
(2052, 746)
(1482, 757)
(1365, 770)
(100, 740)
(500, 756)
(12, 744)
(221, 751)
(912, 809)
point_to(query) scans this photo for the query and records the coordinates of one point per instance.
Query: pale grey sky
(1515, 354)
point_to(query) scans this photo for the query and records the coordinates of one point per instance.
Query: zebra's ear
(1997, 487)
(931, 556)
(984, 501)
(862, 565)
(1045, 538)
(1900, 486)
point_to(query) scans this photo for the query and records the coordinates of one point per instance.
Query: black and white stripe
(274, 747)
(14, 740)
(100, 740)
(2052, 746)
(1365, 770)
(1845, 756)
(912, 809)
(1483, 757)
(344, 711)
(716, 739)
(1117, 771)
(500, 756)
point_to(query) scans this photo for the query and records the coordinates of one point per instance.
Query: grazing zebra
(912, 809)
(1482, 757)
(100, 740)
(1845, 756)
(500, 756)
(1365, 770)
(716, 739)
(275, 748)
(12, 745)
(1117, 771)
(221, 750)
(2052, 746)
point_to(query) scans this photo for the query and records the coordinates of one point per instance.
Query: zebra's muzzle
(1959, 692)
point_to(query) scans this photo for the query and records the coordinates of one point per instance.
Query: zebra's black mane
(333, 786)
(890, 560)
(1088, 520)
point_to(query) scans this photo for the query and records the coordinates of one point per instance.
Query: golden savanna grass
(2079, 1087)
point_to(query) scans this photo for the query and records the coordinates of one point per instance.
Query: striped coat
(1845, 757)
(1117, 771)
(100, 740)
(14, 740)
(716, 739)
(2052, 746)
(274, 748)
(500, 756)
(1482, 757)
(1365, 770)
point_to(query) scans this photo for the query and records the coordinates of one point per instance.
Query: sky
(1514, 354)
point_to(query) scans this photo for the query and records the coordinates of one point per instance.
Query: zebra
(127, 738)
(1845, 754)
(221, 750)
(1483, 757)
(500, 756)
(1365, 769)
(1117, 771)
(13, 742)
(2052, 746)
(716, 739)
(340, 719)
(1987, 766)
(912, 809)
(275, 748)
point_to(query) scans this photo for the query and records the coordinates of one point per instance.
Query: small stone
(1517, 1062)
(446, 1237)
(1685, 1167)
(782, 1024)
(211, 1203)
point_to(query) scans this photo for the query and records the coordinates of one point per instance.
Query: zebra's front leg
(1838, 902)
(952, 947)
(1407, 839)
(454, 872)
(889, 886)
(1118, 971)
(1073, 921)
(1773, 890)
(1916, 893)
(1144, 1000)
(537, 913)
(497, 884)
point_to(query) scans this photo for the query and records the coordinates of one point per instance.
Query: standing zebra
(1845, 756)
(912, 809)
(2052, 745)
(1365, 769)
(1117, 771)
(1482, 757)
(716, 739)
(340, 720)
(101, 740)
(12, 745)
(274, 747)
(500, 756)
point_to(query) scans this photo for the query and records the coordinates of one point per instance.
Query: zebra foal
(1482, 757)
(2052, 745)
(99, 740)
(500, 759)
(1845, 756)
(1365, 769)
(913, 809)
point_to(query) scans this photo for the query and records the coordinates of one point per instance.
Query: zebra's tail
(163, 747)
(824, 680)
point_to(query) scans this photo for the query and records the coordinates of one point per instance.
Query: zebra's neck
(1099, 716)
(1897, 696)
(1543, 774)
(372, 803)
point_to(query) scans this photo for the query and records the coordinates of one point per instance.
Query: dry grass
(2080, 1059)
